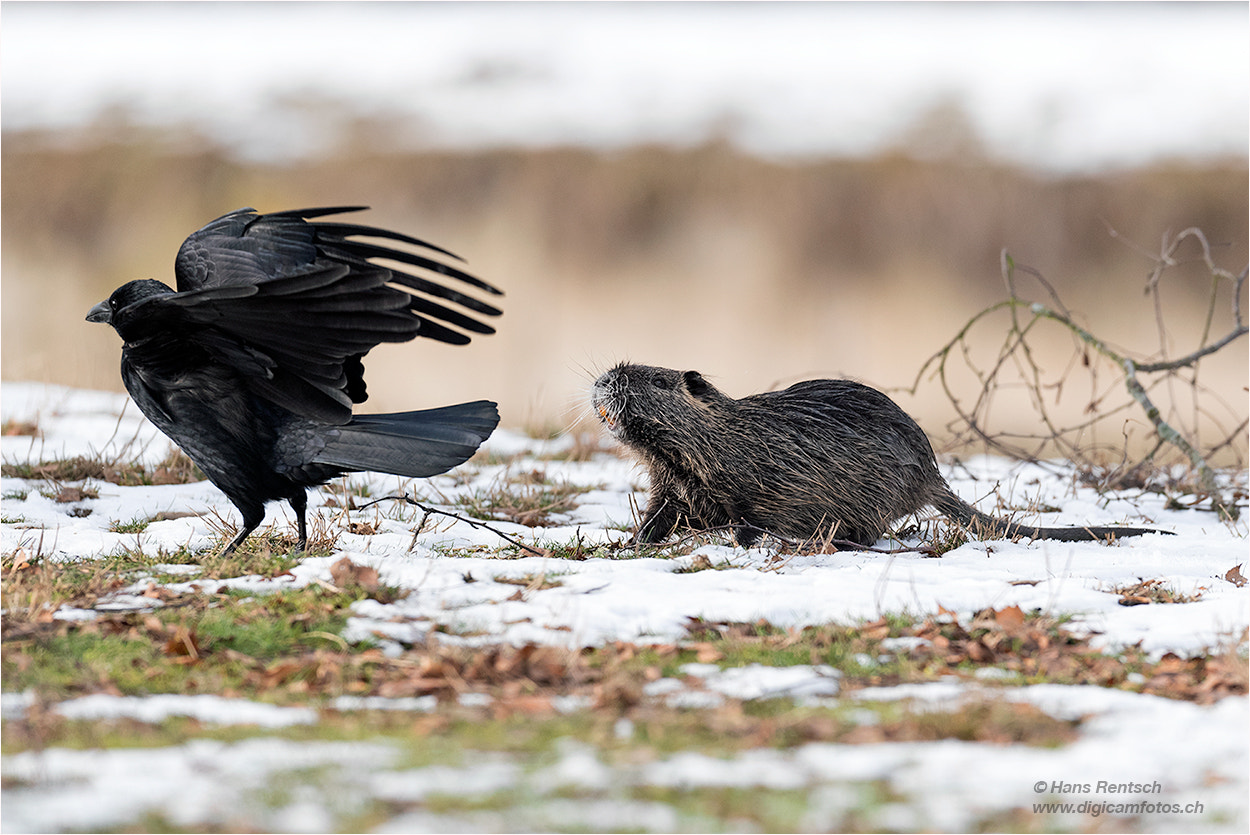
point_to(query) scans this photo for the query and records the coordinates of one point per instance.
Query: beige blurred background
(757, 269)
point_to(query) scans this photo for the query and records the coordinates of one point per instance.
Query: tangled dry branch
(1141, 380)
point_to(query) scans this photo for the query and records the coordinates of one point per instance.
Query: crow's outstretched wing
(247, 248)
(295, 340)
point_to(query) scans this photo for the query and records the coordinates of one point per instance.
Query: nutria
(822, 458)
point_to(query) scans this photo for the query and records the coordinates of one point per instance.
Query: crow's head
(118, 309)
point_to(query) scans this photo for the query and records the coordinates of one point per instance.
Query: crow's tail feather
(411, 444)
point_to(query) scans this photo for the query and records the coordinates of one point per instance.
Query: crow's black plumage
(253, 364)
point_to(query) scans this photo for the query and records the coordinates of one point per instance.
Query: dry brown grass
(176, 468)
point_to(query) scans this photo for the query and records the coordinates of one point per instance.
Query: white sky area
(1052, 86)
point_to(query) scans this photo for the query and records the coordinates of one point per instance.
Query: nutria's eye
(661, 382)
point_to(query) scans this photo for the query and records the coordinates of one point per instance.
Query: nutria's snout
(606, 399)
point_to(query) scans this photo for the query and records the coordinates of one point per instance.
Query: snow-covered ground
(1197, 754)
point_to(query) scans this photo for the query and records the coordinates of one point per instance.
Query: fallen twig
(434, 511)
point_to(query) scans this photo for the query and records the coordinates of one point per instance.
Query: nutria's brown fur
(822, 456)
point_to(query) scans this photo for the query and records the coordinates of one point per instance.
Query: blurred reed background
(758, 269)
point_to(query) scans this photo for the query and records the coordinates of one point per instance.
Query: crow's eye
(661, 382)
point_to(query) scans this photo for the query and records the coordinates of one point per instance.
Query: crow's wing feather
(296, 304)
(344, 230)
(244, 247)
(295, 339)
(237, 248)
(358, 251)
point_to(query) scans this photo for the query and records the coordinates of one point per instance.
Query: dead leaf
(346, 574)
(69, 495)
(548, 665)
(1234, 576)
(535, 705)
(619, 692)
(17, 427)
(875, 631)
(1009, 617)
(184, 646)
(1170, 663)
(166, 515)
(431, 724)
(164, 475)
(273, 675)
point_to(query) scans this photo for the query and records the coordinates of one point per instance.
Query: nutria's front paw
(747, 535)
(656, 528)
(648, 534)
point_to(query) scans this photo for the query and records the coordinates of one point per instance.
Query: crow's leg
(299, 503)
(252, 517)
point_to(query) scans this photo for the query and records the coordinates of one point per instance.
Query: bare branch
(1167, 433)
(1138, 379)
(473, 523)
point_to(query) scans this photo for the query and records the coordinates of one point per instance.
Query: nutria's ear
(695, 384)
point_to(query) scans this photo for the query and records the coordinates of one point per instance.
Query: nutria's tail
(964, 513)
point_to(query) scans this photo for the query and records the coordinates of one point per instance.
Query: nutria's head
(648, 408)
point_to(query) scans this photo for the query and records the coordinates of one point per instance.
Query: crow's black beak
(100, 313)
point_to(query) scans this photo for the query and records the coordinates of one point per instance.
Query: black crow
(252, 365)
